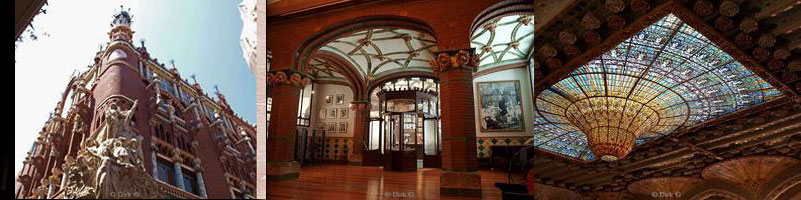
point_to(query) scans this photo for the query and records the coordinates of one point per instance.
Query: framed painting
(332, 127)
(340, 99)
(322, 113)
(332, 113)
(500, 106)
(328, 99)
(343, 127)
(343, 113)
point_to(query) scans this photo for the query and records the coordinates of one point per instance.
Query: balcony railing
(175, 192)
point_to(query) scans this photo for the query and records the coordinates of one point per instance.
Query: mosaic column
(199, 175)
(284, 87)
(179, 175)
(361, 117)
(460, 175)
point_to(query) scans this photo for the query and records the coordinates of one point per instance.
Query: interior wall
(320, 92)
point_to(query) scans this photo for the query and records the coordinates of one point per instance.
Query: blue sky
(201, 36)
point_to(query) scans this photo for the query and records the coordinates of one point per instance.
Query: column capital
(287, 77)
(176, 155)
(464, 59)
(360, 105)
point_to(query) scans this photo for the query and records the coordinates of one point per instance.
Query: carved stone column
(154, 158)
(200, 184)
(284, 87)
(361, 119)
(459, 161)
(179, 175)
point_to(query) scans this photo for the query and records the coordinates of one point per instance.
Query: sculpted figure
(114, 122)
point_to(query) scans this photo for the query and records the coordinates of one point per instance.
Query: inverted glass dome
(662, 79)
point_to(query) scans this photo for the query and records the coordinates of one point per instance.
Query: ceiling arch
(503, 34)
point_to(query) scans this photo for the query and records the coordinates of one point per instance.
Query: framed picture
(343, 113)
(500, 107)
(343, 127)
(340, 99)
(332, 127)
(328, 99)
(332, 113)
(322, 113)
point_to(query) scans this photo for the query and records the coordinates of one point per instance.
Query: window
(190, 182)
(165, 171)
(117, 54)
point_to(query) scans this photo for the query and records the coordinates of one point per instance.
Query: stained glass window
(668, 69)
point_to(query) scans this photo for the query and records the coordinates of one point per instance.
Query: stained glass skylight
(503, 40)
(669, 74)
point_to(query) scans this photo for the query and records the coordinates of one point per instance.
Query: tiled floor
(357, 182)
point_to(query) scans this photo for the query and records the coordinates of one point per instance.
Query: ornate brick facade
(190, 144)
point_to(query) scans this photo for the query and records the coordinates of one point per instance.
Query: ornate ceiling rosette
(665, 187)
(750, 173)
(663, 79)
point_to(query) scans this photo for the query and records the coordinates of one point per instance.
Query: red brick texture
(280, 139)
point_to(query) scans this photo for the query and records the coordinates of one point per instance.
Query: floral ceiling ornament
(547, 51)
(590, 22)
(458, 59)
(766, 40)
(614, 6)
(723, 23)
(616, 22)
(295, 79)
(703, 7)
(729, 8)
(749, 25)
(566, 37)
(640, 6)
(592, 37)
(781, 54)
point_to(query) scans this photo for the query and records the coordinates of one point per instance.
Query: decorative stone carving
(463, 59)
(703, 8)
(614, 6)
(592, 37)
(781, 54)
(776, 65)
(749, 25)
(590, 22)
(766, 41)
(287, 77)
(115, 123)
(729, 8)
(566, 37)
(547, 51)
(640, 6)
(616, 22)
(571, 50)
(112, 169)
(723, 23)
(760, 53)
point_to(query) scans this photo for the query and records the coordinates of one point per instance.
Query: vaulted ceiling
(382, 51)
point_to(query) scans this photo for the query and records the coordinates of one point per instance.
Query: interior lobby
(530, 99)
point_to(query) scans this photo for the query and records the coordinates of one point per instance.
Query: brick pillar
(361, 119)
(284, 87)
(460, 175)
